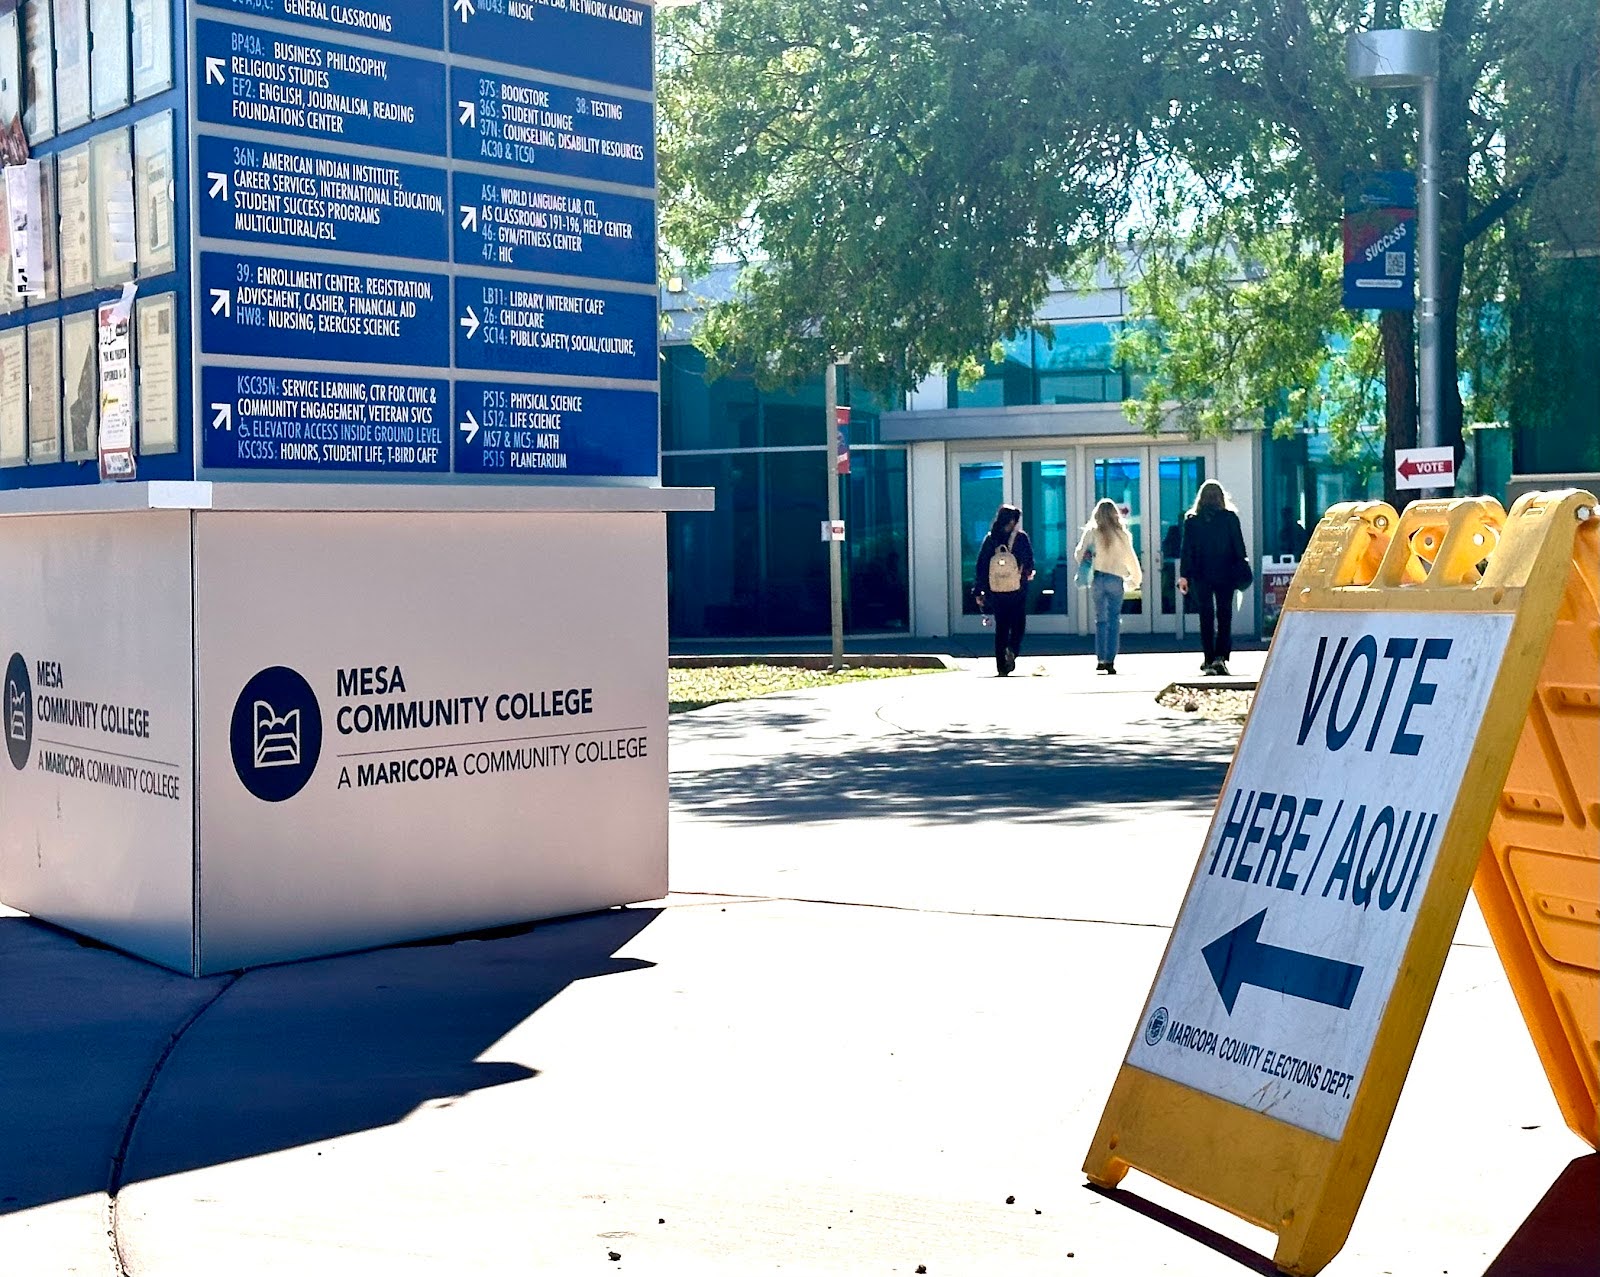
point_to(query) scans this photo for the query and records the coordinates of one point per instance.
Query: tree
(903, 179)
(1514, 80)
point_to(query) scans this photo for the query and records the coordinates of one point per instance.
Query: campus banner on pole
(1380, 241)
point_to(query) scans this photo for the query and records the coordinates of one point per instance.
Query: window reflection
(756, 564)
(1044, 514)
(1060, 363)
(980, 488)
(1119, 478)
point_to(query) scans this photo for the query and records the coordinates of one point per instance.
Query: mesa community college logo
(276, 734)
(18, 698)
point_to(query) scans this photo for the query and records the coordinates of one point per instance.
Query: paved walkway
(912, 925)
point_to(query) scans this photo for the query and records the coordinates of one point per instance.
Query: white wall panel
(96, 788)
(392, 830)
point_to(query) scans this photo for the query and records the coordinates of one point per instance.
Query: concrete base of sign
(254, 723)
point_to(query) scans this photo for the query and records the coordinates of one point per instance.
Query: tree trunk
(1398, 328)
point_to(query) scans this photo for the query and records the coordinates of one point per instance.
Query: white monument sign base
(255, 723)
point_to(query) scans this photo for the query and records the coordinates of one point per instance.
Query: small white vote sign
(1286, 949)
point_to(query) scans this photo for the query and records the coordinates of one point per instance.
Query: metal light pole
(830, 401)
(1403, 59)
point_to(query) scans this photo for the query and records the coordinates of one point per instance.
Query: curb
(1210, 685)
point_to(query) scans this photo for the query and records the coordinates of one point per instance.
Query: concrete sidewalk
(912, 927)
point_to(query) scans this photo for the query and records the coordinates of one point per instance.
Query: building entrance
(1057, 489)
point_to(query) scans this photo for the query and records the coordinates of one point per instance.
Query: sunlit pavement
(912, 926)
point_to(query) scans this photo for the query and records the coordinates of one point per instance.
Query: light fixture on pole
(1404, 59)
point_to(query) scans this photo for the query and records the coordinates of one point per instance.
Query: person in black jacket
(1213, 563)
(1004, 589)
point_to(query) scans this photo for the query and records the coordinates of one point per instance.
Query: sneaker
(1100, 667)
(1220, 668)
(1110, 668)
(1210, 670)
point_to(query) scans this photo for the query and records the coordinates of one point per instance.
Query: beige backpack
(1005, 573)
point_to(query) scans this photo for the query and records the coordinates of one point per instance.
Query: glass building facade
(1042, 426)
(1055, 363)
(757, 565)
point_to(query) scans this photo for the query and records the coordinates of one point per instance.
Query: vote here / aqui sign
(1285, 952)
(1390, 735)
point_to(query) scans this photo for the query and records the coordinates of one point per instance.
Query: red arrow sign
(1411, 469)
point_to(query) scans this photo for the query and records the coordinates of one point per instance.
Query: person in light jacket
(1106, 545)
(1214, 565)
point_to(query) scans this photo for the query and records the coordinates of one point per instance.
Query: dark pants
(1216, 619)
(1010, 620)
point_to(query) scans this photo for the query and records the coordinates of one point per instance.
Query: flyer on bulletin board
(26, 227)
(116, 387)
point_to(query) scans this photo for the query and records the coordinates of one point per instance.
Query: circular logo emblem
(1156, 1027)
(18, 711)
(276, 734)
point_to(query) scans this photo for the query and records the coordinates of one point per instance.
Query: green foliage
(899, 178)
(901, 181)
(1228, 336)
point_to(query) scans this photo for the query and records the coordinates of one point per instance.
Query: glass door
(979, 487)
(1178, 480)
(1121, 478)
(1045, 495)
(1039, 482)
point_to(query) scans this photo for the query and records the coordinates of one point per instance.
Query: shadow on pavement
(275, 1058)
(1209, 1238)
(699, 727)
(1559, 1238)
(1050, 778)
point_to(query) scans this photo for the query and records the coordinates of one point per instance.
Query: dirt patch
(1227, 703)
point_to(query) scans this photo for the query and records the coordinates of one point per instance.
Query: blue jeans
(1106, 588)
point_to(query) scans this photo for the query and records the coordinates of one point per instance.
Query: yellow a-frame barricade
(1525, 819)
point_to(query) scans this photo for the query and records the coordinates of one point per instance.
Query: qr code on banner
(1394, 264)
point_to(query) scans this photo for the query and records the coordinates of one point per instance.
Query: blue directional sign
(509, 429)
(300, 110)
(533, 124)
(537, 328)
(251, 78)
(555, 230)
(311, 310)
(416, 22)
(286, 195)
(592, 39)
(290, 419)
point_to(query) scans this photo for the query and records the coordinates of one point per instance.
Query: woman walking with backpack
(1107, 545)
(1214, 564)
(1005, 566)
